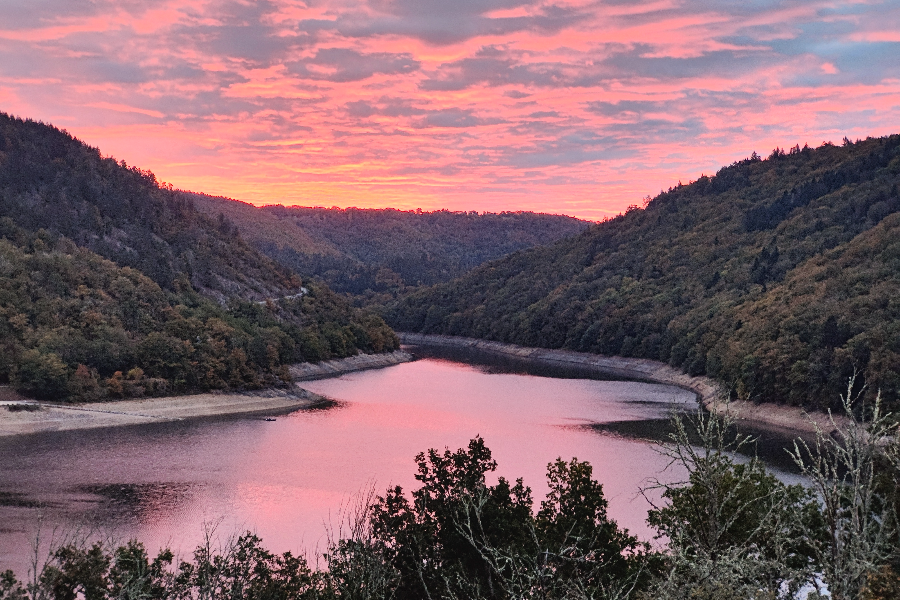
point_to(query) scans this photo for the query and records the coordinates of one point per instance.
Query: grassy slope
(777, 276)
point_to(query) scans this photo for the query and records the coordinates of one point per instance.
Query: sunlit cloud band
(563, 106)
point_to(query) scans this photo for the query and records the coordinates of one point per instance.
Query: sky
(560, 106)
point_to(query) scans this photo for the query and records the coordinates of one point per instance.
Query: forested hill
(50, 180)
(780, 277)
(373, 251)
(100, 269)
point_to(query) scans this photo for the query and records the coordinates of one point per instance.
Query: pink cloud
(573, 107)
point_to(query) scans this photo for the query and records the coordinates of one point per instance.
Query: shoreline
(67, 417)
(772, 417)
(51, 416)
(339, 366)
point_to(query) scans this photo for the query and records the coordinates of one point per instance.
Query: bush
(42, 376)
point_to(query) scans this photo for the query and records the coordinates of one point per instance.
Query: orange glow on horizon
(567, 107)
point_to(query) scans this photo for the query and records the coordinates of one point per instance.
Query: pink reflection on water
(287, 480)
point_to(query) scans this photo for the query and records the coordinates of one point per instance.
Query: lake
(287, 480)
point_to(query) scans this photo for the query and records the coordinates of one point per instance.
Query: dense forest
(112, 285)
(50, 180)
(377, 253)
(778, 276)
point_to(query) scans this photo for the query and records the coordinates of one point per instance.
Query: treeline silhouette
(779, 277)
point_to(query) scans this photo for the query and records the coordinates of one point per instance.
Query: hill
(50, 180)
(371, 252)
(100, 269)
(780, 277)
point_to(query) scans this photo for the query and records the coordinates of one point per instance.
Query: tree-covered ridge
(100, 269)
(779, 277)
(76, 326)
(50, 180)
(370, 252)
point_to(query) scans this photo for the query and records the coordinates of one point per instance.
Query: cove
(287, 479)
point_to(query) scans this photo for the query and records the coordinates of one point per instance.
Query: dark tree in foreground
(732, 530)
(462, 538)
(455, 537)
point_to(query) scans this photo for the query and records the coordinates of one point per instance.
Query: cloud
(30, 14)
(455, 117)
(494, 66)
(438, 103)
(631, 108)
(342, 65)
(644, 61)
(439, 22)
(385, 106)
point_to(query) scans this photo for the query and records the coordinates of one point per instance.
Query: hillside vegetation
(780, 277)
(113, 286)
(50, 180)
(378, 252)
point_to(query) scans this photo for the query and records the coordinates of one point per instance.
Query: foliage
(378, 252)
(856, 476)
(457, 537)
(241, 570)
(51, 181)
(462, 538)
(779, 277)
(733, 530)
(76, 326)
(185, 304)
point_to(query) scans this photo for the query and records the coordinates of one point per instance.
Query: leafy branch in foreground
(854, 472)
(733, 530)
(457, 537)
(462, 538)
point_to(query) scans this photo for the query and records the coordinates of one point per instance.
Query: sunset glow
(566, 106)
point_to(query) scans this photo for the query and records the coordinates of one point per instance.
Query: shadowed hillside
(100, 270)
(369, 252)
(780, 277)
(50, 180)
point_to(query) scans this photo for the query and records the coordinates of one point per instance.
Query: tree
(42, 375)
(462, 538)
(854, 470)
(431, 539)
(733, 530)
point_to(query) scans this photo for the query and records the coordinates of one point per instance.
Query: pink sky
(574, 107)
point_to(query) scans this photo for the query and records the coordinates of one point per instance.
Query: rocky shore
(23, 417)
(709, 393)
(34, 417)
(19, 415)
(360, 362)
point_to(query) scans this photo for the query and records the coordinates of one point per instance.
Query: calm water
(287, 479)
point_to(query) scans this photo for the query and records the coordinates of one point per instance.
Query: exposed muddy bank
(22, 416)
(768, 416)
(360, 362)
(66, 417)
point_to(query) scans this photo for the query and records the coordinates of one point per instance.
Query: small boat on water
(269, 419)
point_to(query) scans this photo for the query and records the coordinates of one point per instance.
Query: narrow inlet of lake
(286, 480)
